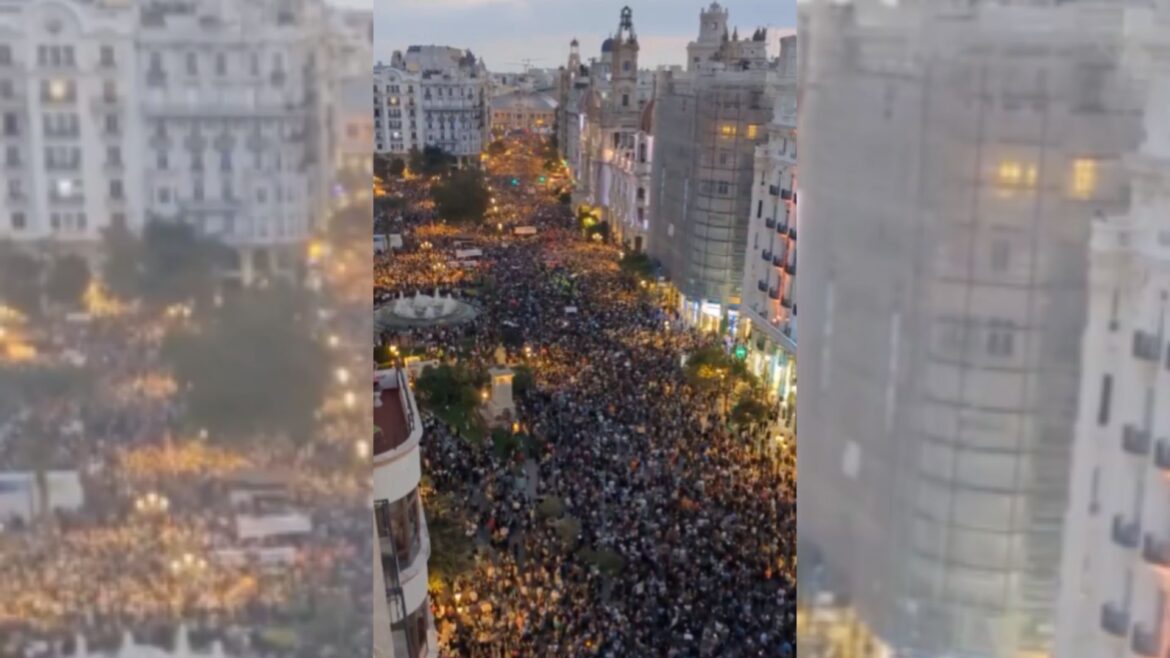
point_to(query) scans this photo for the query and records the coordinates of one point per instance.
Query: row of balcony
(1138, 442)
(1128, 534)
(1144, 641)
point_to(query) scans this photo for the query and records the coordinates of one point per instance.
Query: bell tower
(624, 74)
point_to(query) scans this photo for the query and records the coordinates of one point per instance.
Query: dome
(573, 42)
(607, 46)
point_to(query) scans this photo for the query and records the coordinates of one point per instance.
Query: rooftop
(392, 415)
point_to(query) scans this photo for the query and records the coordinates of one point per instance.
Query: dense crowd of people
(636, 521)
(141, 548)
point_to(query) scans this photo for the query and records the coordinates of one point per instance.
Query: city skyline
(489, 27)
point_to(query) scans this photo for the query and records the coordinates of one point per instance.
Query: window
(111, 124)
(19, 222)
(113, 156)
(1084, 178)
(116, 191)
(161, 160)
(727, 130)
(220, 64)
(1000, 337)
(192, 64)
(752, 131)
(11, 124)
(723, 187)
(5, 54)
(1106, 399)
(12, 156)
(225, 160)
(107, 56)
(1000, 254)
(625, 100)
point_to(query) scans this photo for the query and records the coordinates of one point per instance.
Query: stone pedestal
(500, 409)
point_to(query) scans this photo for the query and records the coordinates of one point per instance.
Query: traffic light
(515, 181)
(541, 179)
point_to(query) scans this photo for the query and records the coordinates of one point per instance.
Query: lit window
(727, 130)
(58, 90)
(1084, 178)
(1010, 173)
(752, 131)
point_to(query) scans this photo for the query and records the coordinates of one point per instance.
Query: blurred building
(572, 86)
(532, 80)
(69, 120)
(403, 545)
(525, 111)
(768, 307)
(1116, 573)
(210, 113)
(432, 96)
(952, 158)
(708, 122)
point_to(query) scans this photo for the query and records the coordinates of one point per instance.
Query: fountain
(423, 310)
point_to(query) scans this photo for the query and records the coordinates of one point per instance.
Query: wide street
(622, 514)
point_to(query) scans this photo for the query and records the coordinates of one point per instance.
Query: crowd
(113, 566)
(639, 523)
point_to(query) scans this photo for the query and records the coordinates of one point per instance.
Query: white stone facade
(432, 96)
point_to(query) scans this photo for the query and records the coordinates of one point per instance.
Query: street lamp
(343, 375)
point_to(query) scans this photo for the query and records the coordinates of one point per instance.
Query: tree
(523, 382)
(20, 279)
(497, 147)
(254, 367)
(169, 264)
(68, 278)
(431, 161)
(750, 411)
(397, 167)
(637, 264)
(462, 197)
(449, 392)
(381, 167)
(122, 267)
(451, 550)
(42, 392)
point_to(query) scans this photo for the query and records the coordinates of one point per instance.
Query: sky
(507, 32)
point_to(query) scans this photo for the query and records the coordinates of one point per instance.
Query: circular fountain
(422, 311)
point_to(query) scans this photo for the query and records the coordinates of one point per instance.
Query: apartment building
(526, 111)
(768, 307)
(432, 96)
(1116, 572)
(69, 150)
(402, 546)
(952, 159)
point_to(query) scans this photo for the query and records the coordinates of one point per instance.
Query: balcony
(1135, 441)
(762, 286)
(769, 223)
(786, 194)
(1114, 620)
(1155, 551)
(774, 293)
(778, 260)
(792, 231)
(787, 301)
(1146, 642)
(781, 229)
(790, 268)
(766, 254)
(1162, 455)
(1126, 534)
(1146, 347)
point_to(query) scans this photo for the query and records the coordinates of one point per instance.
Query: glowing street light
(342, 375)
(152, 503)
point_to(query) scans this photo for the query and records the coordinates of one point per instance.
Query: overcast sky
(505, 32)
